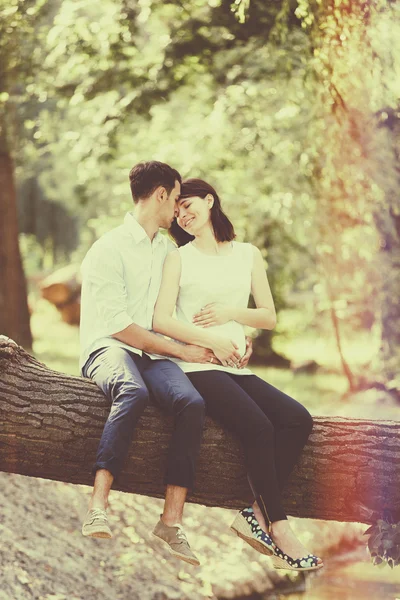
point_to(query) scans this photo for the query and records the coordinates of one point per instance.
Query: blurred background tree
(20, 50)
(289, 108)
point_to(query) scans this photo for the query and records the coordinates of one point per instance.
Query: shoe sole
(280, 563)
(97, 532)
(191, 561)
(243, 530)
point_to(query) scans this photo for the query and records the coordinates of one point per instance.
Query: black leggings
(272, 427)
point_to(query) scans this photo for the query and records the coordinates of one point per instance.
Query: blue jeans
(129, 380)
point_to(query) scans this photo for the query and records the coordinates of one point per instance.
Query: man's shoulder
(106, 244)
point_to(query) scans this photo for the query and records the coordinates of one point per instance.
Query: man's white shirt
(121, 278)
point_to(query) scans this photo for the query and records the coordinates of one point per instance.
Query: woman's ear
(210, 200)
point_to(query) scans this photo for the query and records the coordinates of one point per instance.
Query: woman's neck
(206, 242)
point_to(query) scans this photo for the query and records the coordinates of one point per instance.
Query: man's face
(170, 206)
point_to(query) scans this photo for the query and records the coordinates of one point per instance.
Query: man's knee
(191, 403)
(196, 403)
(131, 394)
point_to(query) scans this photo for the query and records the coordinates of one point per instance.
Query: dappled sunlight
(291, 110)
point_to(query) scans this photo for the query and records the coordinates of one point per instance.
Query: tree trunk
(387, 219)
(14, 313)
(52, 423)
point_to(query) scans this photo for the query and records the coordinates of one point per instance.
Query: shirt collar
(137, 231)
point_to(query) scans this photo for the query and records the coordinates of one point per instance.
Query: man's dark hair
(222, 227)
(146, 177)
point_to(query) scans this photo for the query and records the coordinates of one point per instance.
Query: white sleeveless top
(217, 278)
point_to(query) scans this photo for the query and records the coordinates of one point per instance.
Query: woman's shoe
(248, 528)
(280, 560)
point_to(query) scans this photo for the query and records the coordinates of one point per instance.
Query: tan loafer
(96, 524)
(175, 540)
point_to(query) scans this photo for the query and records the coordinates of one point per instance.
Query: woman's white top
(217, 278)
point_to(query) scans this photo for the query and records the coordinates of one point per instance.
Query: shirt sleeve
(103, 274)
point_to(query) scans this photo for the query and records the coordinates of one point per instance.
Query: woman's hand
(212, 314)
(225, 350)
(246, 356)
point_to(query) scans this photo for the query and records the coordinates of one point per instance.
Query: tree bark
(52, 423)
(14, 313)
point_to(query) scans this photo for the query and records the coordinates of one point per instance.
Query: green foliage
(274, 103)
(384, 543)
(241, 8)
(21, 33)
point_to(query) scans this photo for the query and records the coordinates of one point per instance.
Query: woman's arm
(262, 317)
(164, 321)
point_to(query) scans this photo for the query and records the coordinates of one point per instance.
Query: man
(121, 276)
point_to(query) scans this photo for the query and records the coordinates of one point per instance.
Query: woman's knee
(259, 432)
(304, 420)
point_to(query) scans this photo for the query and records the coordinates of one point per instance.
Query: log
(52, 423)
(63, 289)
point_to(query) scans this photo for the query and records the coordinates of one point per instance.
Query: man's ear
(161, 194)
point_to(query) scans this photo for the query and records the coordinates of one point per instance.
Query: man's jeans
(127, 380)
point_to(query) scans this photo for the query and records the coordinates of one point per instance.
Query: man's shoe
(175, 539)
(248, 528)
(96, 524)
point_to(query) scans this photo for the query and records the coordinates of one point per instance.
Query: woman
(208, 280)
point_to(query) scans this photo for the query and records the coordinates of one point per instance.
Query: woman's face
(194, 213)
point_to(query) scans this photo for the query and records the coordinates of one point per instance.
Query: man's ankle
(97, 503)
(171, 519)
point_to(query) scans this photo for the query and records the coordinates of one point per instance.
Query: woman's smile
(186, 221)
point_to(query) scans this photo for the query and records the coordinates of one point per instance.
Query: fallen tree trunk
(63, 289)
(52, 423)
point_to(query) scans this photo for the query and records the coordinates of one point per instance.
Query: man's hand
(197, 354)
(213, 314)
(246, 356)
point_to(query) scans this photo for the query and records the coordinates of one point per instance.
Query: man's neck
(146, 219)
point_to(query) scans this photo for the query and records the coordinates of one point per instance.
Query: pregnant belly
(233, 331)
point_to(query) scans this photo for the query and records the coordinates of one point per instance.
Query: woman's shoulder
(248, 251)
(245, 247)
(185, 249)
(178, 254)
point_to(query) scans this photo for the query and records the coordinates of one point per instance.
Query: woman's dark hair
(222, 227)
(146, 177)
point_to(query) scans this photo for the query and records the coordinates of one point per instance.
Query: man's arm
(145, 340)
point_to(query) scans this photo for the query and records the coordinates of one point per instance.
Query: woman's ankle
(280, 527)
(260, 517)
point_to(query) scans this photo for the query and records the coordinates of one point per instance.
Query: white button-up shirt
(121, 277)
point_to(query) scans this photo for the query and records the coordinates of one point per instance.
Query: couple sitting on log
(139, 287)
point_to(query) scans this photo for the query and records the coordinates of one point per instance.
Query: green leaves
(384, 543)
(240, 9)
